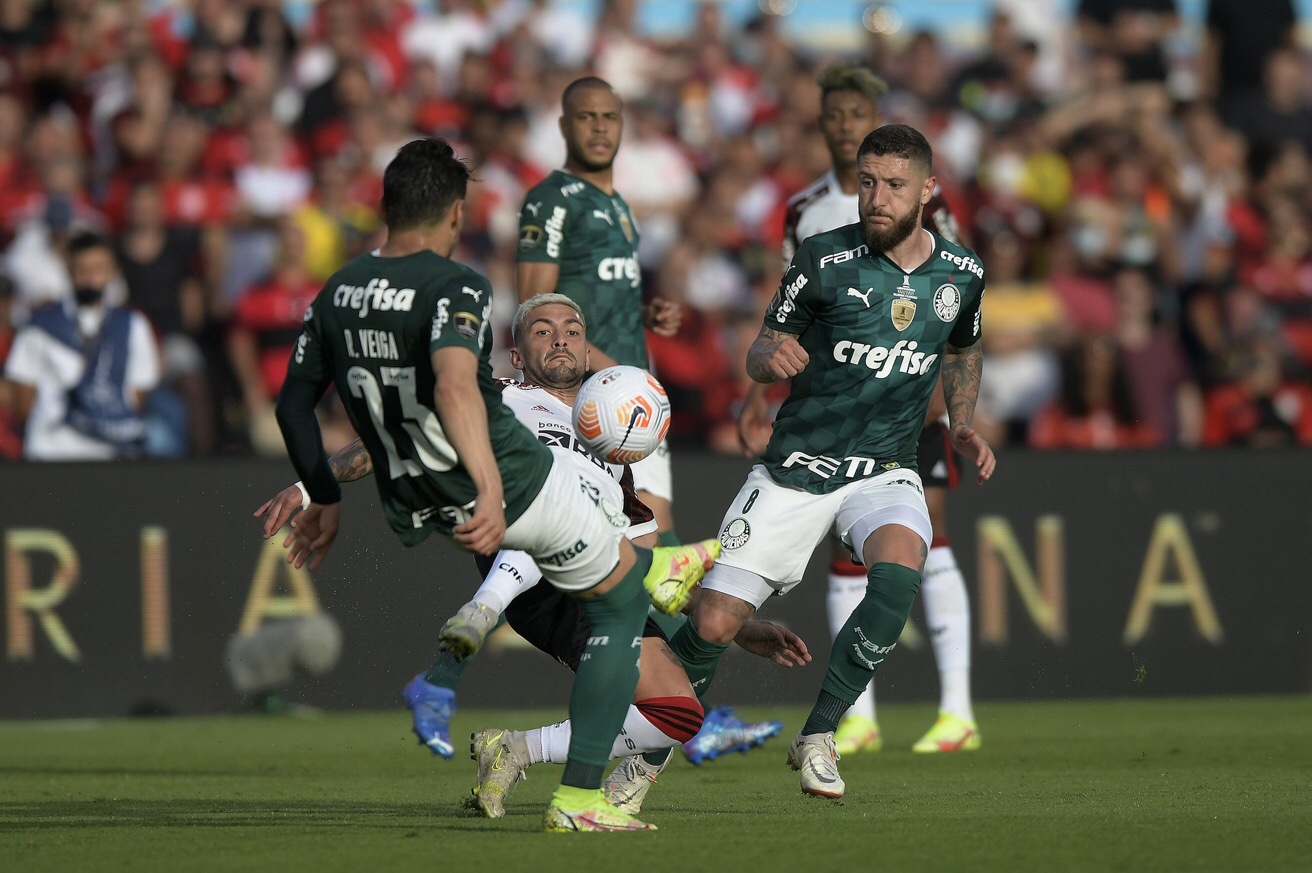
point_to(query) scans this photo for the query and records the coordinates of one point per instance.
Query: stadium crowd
(1141, 202)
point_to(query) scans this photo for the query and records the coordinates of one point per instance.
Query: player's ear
(931, 182)
(516, 359)
(458, 215)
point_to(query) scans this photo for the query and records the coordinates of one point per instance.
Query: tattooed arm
(775, 355)
(352, 462)
(347, 465)
(962, 370)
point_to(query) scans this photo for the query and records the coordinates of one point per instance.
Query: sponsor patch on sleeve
(467, 324)
(529, 236)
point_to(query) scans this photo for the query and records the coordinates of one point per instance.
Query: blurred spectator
(1241, 36)
(81, 369)
(160, 265)
(1280, 113)
(266, 322)
(11, 435)
(1096, 408)
(1133, 30)
(1262, 407)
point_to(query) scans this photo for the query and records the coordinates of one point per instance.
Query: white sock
(947, 612)
(512, 574)
(845, 593)
(550, 744)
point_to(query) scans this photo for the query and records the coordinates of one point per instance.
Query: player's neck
(565, 396)
(912, 251)
(846, 177)
(439, 239)
(603, 179)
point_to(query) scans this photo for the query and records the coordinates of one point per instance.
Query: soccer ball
(622, 414)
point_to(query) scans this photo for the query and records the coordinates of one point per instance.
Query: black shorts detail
(935, 458)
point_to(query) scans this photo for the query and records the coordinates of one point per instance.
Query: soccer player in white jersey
(849, 109)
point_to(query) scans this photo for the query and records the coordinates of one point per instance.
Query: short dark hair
(851, 77)
(581, 85)
(901, 141)
(85, 241)
(422, 182)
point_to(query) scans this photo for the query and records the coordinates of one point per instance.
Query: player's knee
(719, 618)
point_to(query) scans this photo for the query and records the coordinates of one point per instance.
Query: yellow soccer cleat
(676, 571)
(950, 733)
(499, 769)
(593, 814)
(856, 733)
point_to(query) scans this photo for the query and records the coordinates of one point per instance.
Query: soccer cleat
(499, 768)
(676, 571)
(815, 757)
(722, 732)
(595, 816)
(951, 733)
(628, 783)
(463, 633)
(431, 707)
(856, 733)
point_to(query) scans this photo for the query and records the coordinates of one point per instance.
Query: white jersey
(551, 420)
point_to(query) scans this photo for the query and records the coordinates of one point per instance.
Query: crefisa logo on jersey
(947, 302)
(378, 296)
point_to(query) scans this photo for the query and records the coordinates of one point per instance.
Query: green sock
(668, 537)
(699, 657)
(447, 671)
(607, 675)
(669, 624)
(864, 642)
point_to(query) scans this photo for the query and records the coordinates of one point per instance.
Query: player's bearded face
(890, 194)
(553, 348)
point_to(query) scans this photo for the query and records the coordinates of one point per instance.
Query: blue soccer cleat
(721, 732)
(432, 707)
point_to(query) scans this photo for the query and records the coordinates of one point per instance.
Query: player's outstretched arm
(460, 408)
(773, 641)
(754, 421)
(775, 355)
(348, 464)
(962, 371)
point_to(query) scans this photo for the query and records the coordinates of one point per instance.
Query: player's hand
(773, 641)
(788, 358)
(486, 528)
(663, 317)
(313, 533)
(754, 424)
(971, 445)
(279, 510)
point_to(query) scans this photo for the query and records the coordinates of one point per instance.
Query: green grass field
(1110, 785)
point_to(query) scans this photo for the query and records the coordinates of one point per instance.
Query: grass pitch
(1157, 785)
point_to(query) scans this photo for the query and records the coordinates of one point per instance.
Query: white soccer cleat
(463, 633)
(628, 783)
(499, 768)
(814, 756)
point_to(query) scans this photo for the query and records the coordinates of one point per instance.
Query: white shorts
(771, 530)
(571, 530)
(652, 474)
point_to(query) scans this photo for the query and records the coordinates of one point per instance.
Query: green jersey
(874, 334)
(593, 237)
(372, 331)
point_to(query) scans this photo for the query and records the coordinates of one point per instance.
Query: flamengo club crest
(947, 302)
(903, 307)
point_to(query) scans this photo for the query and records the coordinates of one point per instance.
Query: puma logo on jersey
(884, 361)
(532, 208)
(864, 298)
(604, 216)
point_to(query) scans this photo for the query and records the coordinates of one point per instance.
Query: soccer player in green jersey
(579, 238)
(402, 333)
(867, 317)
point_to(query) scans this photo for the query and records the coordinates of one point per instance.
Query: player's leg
(947, 612)
(653, 479)
(859, 729)
(577, 541)
(886, 521)
(431, 696)
(768, 533)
